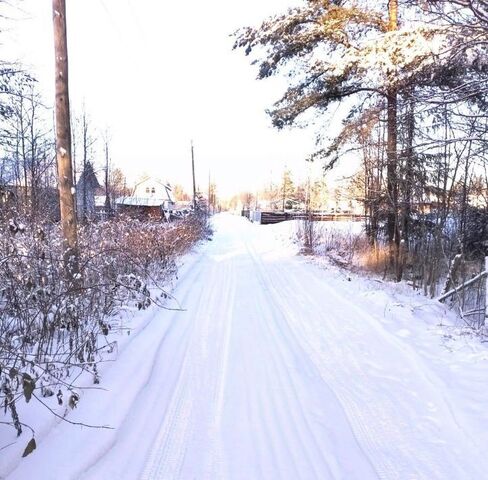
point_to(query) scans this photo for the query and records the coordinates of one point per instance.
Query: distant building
(150, 199)
(86, 189)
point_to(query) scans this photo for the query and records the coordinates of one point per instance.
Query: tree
(180, 195)
(212, 196)
(29, 148)
(333, 50)
(318, 194)
(118, 184)
(87, 143)
(287, 189)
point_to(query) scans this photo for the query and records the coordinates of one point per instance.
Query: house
(150, 199)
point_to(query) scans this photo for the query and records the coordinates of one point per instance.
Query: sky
(159, 74)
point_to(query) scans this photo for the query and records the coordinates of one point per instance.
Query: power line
(111, 19)
(136, 20)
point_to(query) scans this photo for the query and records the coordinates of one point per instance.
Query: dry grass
(372, 259)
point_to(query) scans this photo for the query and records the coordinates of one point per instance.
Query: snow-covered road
(271, 372)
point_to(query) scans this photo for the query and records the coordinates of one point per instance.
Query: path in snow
(270, 373)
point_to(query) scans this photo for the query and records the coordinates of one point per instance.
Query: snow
(400, 53)
(141, 201)
(279, 368)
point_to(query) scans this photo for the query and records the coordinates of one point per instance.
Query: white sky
(159, 73)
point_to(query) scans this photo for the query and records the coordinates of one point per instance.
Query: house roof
(140, 201)
(88, 176)
(153, 180)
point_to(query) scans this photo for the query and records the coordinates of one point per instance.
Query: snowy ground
(280, 369)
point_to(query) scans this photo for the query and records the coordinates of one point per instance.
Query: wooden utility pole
(108, 206)
(193, 175)
(63, 142)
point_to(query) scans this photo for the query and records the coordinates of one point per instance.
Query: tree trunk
(407, 184)
(391, 156)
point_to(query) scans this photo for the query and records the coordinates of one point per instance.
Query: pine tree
(287, 189)
(337, 50)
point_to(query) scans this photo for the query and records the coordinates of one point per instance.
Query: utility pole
(108, 207)
(193, 175)
(63, 142)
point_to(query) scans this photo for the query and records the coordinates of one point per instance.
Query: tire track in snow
(284, 344)
(199, 391)
(376, 423)
(146, 381)
(364, 420)
(302, 341)
(363, 438)
(214, 467)
(165, 459)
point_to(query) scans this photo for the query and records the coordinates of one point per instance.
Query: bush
(52, 328)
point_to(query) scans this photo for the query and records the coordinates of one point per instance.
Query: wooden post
(108, 206)
(63, 142)
(193, 175)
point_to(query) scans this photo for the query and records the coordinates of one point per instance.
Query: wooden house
(151, 199)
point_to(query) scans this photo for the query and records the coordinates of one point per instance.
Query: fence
(271, 217)
(466, 287)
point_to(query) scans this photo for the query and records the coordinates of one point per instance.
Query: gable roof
(153, 180)
(88, 176)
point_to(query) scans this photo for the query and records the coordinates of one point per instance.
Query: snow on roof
(140, 201)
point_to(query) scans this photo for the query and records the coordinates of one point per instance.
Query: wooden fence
(470, 294)
(271, 217)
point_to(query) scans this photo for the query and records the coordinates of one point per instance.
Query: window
(153, 190)
(147, 189)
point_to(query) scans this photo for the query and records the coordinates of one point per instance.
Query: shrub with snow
(52, 328)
